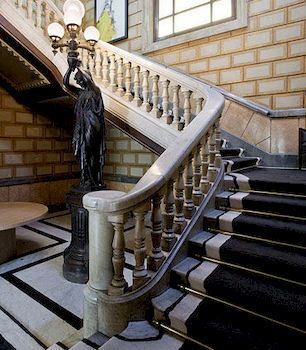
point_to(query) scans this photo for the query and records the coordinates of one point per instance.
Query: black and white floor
(38, 307)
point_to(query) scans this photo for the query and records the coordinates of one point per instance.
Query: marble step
(142, 335)
(239, 163)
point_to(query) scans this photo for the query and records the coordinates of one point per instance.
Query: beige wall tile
(244, 58)
(258, 39)
(7, 116)
(260, 6)
(244, 89)
(13, 158)
(284, 3)
(258, 71)
(24, 172)
(297, 48)
(13, 131)
(288, 67)
(24, 145)
(271, 86)
(210, 49)
(188, 54)
(171, 58)
(297, 13)
(272, 19)
(288, 101)
(289, 32)
(297, 83)
(24, 117)
(232, 44)
(198, 66)
(6, 145)
(220, 62)
(213, 77)
(231, 75)
(272, 52)
(6, 173)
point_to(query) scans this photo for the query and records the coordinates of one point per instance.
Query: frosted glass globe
(55, 30)
(91, 34)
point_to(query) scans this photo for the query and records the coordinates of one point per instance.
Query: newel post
(101, 236)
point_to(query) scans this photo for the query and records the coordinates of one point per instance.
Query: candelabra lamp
(88, 141)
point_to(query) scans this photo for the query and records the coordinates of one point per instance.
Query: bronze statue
(89, 130)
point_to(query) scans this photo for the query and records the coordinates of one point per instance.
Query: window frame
(210, 24)
(150, 24)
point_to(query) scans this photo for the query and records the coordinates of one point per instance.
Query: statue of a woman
(89, 130)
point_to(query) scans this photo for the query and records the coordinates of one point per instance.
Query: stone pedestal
(76, 260)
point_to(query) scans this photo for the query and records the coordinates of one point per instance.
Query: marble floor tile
(47, 278)
(17, 336)
(43, 323)
(32, 258)
(51, 230)
(63, 221)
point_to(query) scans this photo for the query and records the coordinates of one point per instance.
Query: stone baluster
(18, 3)
(105, 81)
(136, 101)
(91, 65)
(30, 9)
(47, 16)
(176, 107)
(98, 63)
(199, 104)
(118, 284)
(85, 59)
(165, 102)
(128, 79)
(179, 219)
(38, 13)
(112, 73)
(140, 273)
(204, 183)
(212, 170)
(218, 158)
(189, 207)
(155, 110)
(156, 256)
(197, 195)
(120, 90)
(145, 91)
(187, 107)
(168, 236)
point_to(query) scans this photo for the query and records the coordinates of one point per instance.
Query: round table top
(13, 214)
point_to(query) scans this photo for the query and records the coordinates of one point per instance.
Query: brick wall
(264, 62)
(36, 151)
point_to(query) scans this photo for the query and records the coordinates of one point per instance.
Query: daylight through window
(177, 16)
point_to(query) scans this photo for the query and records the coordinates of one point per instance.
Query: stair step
(222, 326)
(288, 181)
(231, 152)
(142, 335)
(275, 229)
(238, 163)
(284, 262)
(272, 298)
(276, 204)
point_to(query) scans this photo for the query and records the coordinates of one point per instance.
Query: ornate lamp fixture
(73, 14)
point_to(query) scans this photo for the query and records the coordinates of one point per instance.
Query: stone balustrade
(182, 114)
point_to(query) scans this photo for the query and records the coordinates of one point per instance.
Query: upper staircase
(223, 264)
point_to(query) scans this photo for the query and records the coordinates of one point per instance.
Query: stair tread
(269, 203)
(271, 297)
(285, 262)
(276, 180)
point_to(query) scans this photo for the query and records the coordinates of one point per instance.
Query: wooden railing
(185, 114)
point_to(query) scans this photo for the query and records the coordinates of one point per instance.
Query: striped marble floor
(38, 307)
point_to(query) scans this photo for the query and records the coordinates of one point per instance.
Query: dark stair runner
(243, 285)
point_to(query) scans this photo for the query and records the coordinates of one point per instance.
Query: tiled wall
(264, 62)
(126, 159)
(33, 148)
